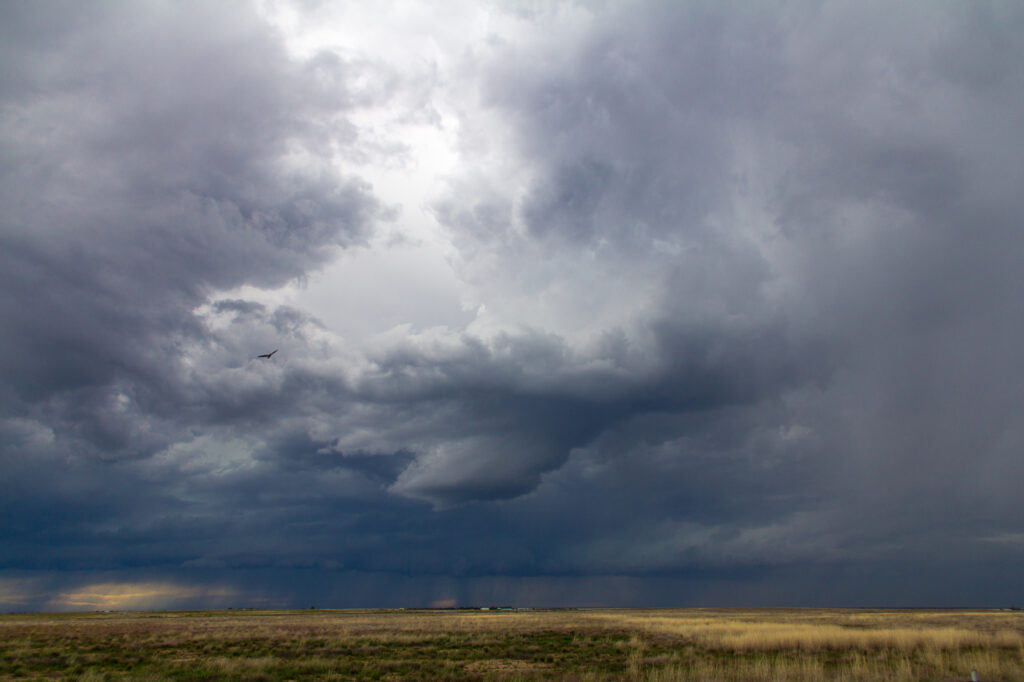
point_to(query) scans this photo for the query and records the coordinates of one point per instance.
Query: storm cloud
(658, 303)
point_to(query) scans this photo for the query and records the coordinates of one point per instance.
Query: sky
(620, 303)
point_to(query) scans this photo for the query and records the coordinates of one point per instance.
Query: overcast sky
(576, 303)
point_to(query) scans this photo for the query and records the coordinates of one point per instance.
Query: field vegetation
(655, 645)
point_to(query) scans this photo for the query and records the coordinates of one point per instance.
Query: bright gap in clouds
(404, 276)
(427, 123)
(408, 144)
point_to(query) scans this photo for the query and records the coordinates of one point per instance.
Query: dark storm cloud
(147, 161)
(816, 207)
(150, 158)
(153, 155)
(491, 419)
(632, 131)
(864, 310)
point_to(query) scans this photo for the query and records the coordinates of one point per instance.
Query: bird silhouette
(267, 355)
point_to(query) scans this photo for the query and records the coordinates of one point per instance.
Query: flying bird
(267, 355)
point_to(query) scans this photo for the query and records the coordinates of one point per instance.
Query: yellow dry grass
(817, 630)
(659, 645)
(808, 645)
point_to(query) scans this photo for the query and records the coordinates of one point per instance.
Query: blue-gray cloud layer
(818, 208)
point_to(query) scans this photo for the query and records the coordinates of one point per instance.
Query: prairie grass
(786, 630)
(588, 645)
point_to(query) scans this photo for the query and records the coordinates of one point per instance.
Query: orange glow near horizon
(145, 595)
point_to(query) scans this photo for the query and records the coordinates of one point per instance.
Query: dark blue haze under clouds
(701, 304)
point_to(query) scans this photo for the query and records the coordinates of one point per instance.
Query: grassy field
(685, 644)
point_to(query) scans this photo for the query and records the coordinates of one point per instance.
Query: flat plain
(606, 644)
